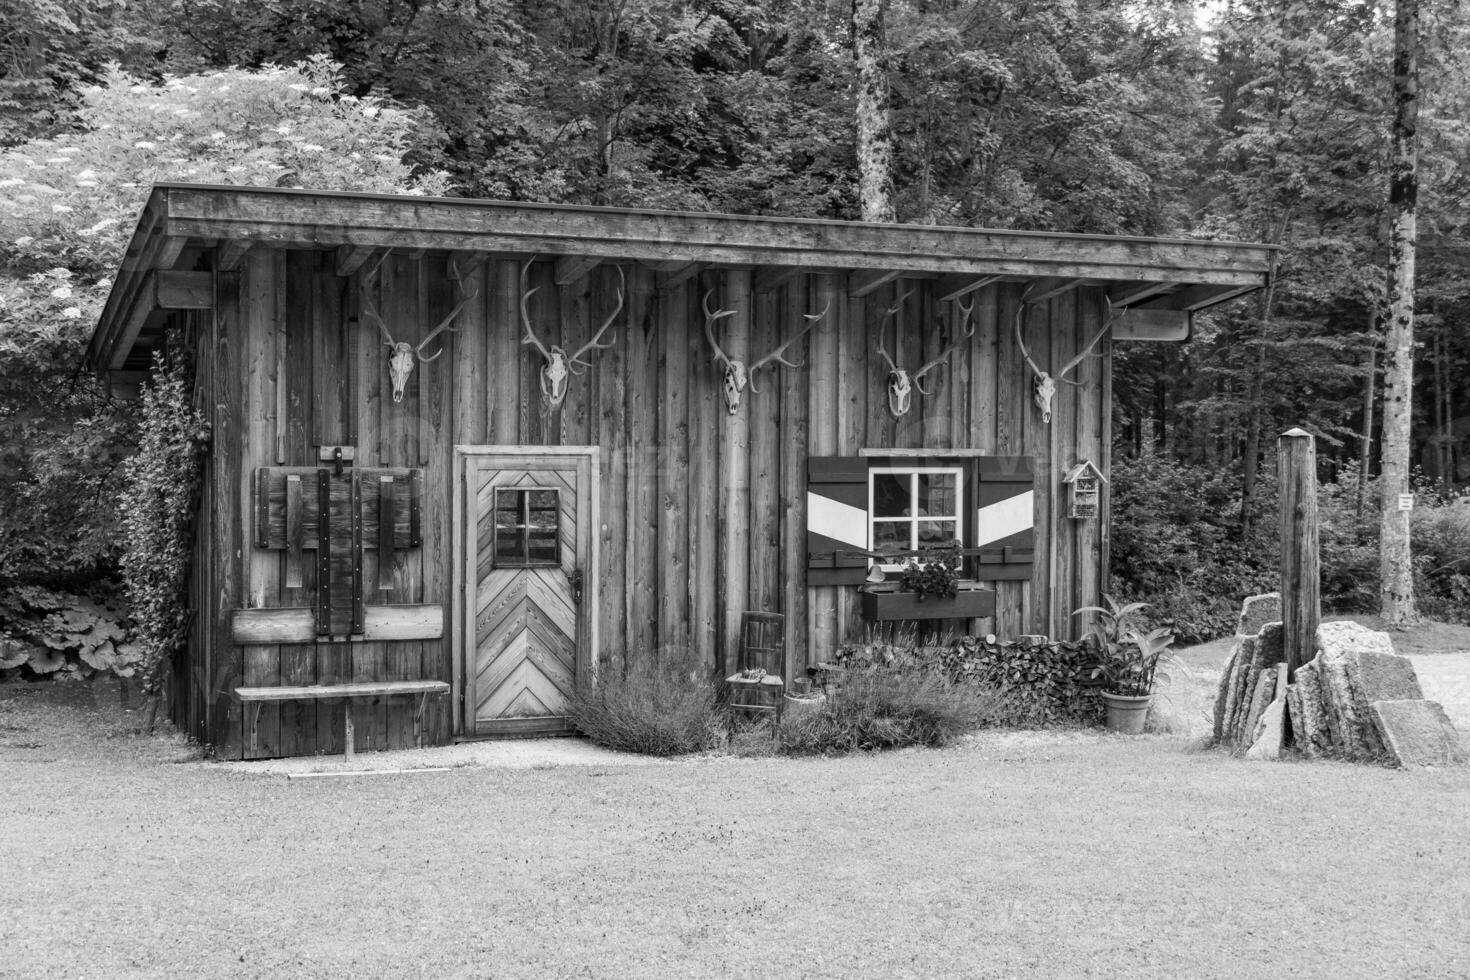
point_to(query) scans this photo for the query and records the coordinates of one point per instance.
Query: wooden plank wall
(702, 512)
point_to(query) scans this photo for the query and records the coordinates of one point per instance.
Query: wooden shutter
(1005, 517)
(836, 520)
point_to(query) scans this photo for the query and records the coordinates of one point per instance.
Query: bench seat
(256, 697)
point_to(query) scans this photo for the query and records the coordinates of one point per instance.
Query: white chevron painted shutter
(836, 520)
(1005, 506)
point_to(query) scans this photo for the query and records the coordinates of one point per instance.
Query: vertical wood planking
(609, 383)
(1034, 437)
(1088, 439)
(509, 359)
(1012, 401)
(641, 417)
(734, 498)
(705, 410)
(296, 330)
(822, 624)
(763, 521)
(673, 508)
(1105, 439)
(1057, 605)
(260, 569)
(852, 395)
(794, 437)
(435, 556)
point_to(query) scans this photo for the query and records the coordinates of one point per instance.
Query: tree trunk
(874, 133)
(1365, 437)
(1396, 576)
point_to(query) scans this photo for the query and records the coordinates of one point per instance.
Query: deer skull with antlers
(559, 366)
(402, 354)
(737, 373)
(901, 384)
(1044, 388)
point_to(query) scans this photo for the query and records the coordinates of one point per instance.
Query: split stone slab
(1418, 733)
(1269, 733)
(1256, 611)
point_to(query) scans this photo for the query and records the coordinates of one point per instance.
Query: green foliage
(158, 501)
(68, 203)
(1440, 538)
(884, 707)
(46, 634)
(937, 576)
(650, 709)
(1128, 654)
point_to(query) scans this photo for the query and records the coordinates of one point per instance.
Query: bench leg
(347, 746)
(418, 720)
(254, 710)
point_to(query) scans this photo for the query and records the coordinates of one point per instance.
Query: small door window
(527, 527)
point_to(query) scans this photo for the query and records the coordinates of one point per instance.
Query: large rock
(1269, 733)
(1257, 611)
(1293, 717)
(1264, 695)
(1270, 646)
(1417, 733)
(1223, 691)
(1233, 688)
(1309, 728)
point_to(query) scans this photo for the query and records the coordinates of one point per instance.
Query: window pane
(891, 494)
(938, 493)
(933, 533)
(527, 527)
(889, 536)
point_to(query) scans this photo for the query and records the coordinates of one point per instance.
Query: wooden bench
(252, 699)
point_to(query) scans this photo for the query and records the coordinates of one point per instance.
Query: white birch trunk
(874, 134)
(1396, 576)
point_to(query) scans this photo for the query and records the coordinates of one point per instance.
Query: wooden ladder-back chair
(762, 649)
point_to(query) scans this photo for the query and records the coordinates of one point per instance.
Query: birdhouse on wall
(1084, 490)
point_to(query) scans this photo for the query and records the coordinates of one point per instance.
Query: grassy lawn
(1015, 854)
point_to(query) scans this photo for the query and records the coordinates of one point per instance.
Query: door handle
(574, 579)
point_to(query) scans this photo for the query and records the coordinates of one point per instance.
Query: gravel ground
(1069, 854)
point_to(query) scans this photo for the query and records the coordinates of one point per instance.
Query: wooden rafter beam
(163, 289)
(772, 277)
(1045, 289)
(1127, 295)
(953, 287)
(351, 257)
(860, 284)
(230, 254)
(1198, 297)
(570, 268)
(677, 277)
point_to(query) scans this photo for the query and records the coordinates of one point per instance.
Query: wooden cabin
(431, 464)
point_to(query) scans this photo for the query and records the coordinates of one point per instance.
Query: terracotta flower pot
(1127, 712)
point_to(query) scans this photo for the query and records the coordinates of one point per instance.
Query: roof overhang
(1172, 277)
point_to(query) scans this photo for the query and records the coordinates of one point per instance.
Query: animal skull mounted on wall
(901, 384)
(738, 374)
(401, 354)
(1044, 386)
(557, 365)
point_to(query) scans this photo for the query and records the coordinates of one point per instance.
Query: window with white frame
(913, 507)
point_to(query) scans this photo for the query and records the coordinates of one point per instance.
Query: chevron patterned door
(528, 586)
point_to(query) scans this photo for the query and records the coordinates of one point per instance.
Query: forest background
(1258, 121)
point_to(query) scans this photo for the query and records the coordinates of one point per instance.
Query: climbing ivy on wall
(158, 501)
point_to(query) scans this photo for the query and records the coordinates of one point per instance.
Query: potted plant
(929, 589)
(1128, 661)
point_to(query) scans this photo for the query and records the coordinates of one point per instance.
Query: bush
(649, 709)
(50, 635)
(1440, 540)
(885, 707)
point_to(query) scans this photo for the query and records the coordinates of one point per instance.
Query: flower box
(971, 602)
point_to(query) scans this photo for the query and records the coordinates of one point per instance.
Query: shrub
(884, 707)
(650, 709)
(1440, 541)
(45, 634)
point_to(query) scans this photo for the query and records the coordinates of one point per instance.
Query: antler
(965, 312)
(1020, 339)
(530, 337)
(1108, 322)
(368, 309)
(710, 316)
(593, 343)
(892, 311)
(812, 319)
(445, 323)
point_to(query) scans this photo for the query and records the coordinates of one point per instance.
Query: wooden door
(528, 580)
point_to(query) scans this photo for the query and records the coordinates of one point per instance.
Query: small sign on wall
(1406, 501)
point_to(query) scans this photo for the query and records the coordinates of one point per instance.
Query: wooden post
(734, 477)
(1301, 580)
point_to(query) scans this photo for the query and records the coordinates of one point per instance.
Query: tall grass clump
(883, 708)
(649, 709)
